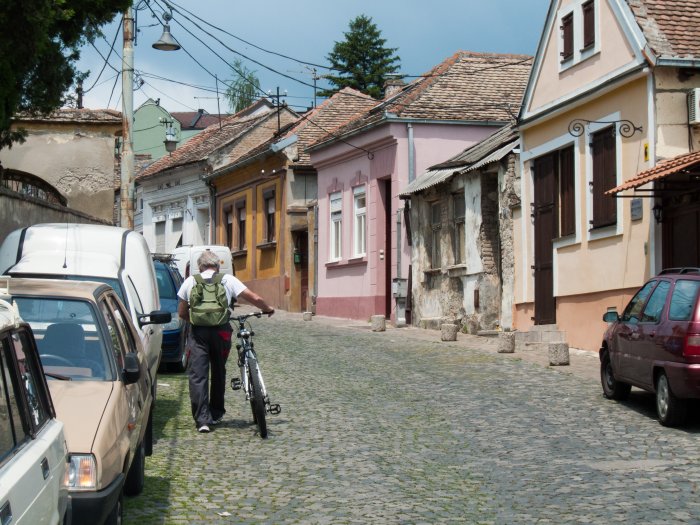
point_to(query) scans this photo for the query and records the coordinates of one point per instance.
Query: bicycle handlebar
(241, 318)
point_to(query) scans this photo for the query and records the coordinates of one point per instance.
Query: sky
(213, 33)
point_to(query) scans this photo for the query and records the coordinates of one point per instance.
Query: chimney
(392, 86)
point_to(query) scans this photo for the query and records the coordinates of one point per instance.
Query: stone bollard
(506, 342)
(378, 323)
(448, 332)
(308, 316)
(558, 354)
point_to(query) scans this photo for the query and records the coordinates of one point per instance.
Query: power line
(106, 60)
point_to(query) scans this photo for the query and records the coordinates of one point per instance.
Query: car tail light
(692, 339)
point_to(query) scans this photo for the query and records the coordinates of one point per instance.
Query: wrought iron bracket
(625, 128)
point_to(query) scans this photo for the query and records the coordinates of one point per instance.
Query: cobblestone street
(398, 427)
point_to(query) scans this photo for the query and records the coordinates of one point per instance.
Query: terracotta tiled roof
(335, 111)
(195, 119)
(672, 27)
(661, 170)
(73, 115)
(467, 86)
(199, 147)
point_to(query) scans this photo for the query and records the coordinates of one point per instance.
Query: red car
(655, 344)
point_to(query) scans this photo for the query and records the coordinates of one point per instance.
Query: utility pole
(126, 192)
(278, 105)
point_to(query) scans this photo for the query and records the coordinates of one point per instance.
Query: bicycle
(251, 380)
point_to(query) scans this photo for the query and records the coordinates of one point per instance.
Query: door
(543, 213)
(301, 254)
(384, 245)
(625, 353)
(681, 231)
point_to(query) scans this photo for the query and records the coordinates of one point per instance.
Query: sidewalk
(582, 363)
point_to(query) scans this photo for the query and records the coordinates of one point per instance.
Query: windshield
(68, 336)
(166, 287)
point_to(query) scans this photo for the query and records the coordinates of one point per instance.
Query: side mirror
(132, 368)
(611, 317)
(155, 317)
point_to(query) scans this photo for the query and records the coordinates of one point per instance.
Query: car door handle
(5, 514)
(45, 471)
(634, 336)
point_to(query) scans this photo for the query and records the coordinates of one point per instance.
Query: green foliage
(363, 61)
(38, 50)
(244, 90)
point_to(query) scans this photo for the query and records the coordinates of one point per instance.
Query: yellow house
(606, 100)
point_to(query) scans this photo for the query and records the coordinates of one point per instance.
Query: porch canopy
(492, 149)
(687, 166)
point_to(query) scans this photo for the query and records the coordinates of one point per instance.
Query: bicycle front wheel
(257, 401)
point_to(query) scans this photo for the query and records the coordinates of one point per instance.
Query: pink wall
(356, 288)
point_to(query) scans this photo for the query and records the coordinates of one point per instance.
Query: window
(269, 203)
(118, 349)
(359, 232)
(458, 232)
(683, 300)
(13, 427)
(588, 10)
(240, 218)
(336, 212)
(31, 380)
(228, 217)
(604, 161)
(652, 311)
(634, 309)
(567, 37)
(567, 198)
(160, 237)
(435, 223)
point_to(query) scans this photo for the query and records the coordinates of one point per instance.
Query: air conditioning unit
(694, 107)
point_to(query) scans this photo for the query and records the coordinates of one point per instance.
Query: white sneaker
(203, 429)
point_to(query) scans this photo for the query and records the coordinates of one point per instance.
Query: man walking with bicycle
(204, 301)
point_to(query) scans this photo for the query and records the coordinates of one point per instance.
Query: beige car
(100, 384)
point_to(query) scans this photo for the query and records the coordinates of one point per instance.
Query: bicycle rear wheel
(257, 401)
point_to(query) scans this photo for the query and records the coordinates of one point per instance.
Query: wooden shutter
(588, 24)
(604, 177)
(567, 34)
(567, 200)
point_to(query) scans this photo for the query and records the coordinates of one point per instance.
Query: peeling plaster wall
(80, 164)
(478, 293)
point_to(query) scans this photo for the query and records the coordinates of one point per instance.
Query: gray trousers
(209, 349)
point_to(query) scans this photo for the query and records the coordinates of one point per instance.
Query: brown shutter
(588, 24)
(567, 201)
(604, 177)
(567, 34)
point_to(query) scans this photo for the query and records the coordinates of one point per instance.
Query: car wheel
(612, 388)
(671, 410)
(136, 476)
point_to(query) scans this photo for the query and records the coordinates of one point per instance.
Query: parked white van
(189, 254)
(90, 252)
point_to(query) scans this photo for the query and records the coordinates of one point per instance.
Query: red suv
(655, 344)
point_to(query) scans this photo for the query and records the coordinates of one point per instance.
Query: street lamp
(167, 43)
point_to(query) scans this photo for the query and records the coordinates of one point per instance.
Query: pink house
(364, 250)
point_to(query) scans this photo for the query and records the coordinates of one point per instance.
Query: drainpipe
(411, 155)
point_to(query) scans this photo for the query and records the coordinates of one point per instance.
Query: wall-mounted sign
(636, 209)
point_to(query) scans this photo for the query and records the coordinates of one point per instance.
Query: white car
(33, 452)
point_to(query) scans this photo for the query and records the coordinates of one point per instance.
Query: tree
(38, 51)
(362, 60)
(244, 90)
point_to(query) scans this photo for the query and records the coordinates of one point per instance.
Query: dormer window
(578, 37)
(567, 37)
(588, 11)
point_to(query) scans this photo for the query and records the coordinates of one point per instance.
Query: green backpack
(208, 302)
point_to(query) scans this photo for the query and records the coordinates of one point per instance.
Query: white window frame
(360, 222)
(335, 217)
(580, 54)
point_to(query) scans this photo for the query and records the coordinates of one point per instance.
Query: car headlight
(174, 324)
(81, 473)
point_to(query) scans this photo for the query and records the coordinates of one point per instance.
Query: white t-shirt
(232, 284)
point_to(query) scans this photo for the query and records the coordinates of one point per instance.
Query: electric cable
(106, 60)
